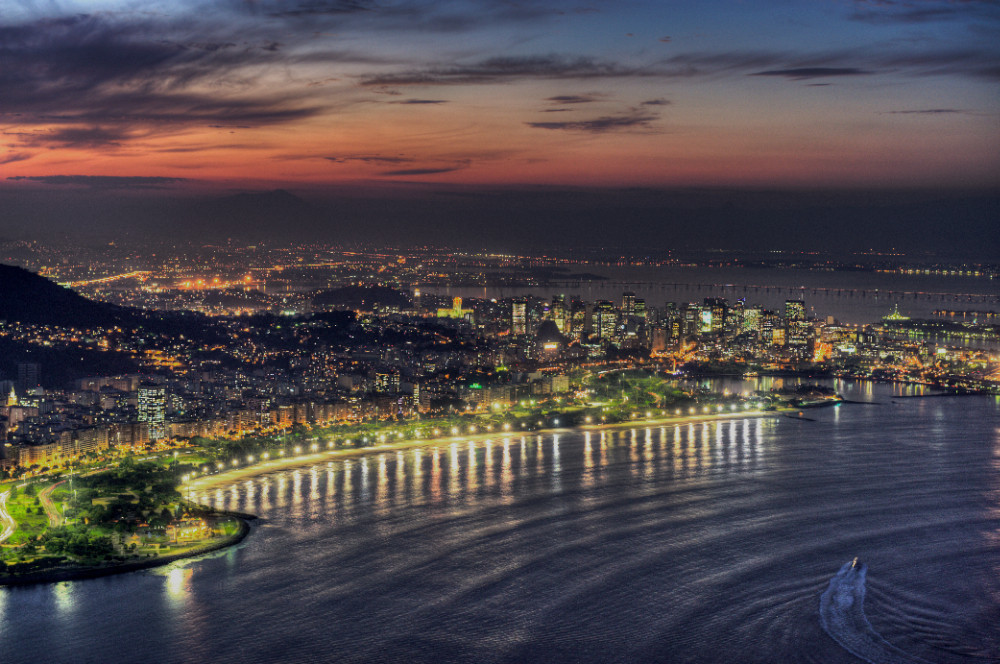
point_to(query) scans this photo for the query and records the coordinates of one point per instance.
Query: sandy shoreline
(208, 481)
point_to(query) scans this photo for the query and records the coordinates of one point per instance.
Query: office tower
(605, 319)
(386, 382)
(153, 410)
(639, 308)
(27, 376)
(714, 313)
(519, 316)
(692, 319)
(795, 310)
(628, 304)
(559, 313)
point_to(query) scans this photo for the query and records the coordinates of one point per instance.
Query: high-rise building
(716, 309)
(692, 319)
(153, 409)
(639, 308)
(559, 313)
(27, 376)
(605, 319)
(628, 304)
(578, 319)
(519, 316)
(752, 318)
(386, 382)
(796, 328)
(795, 310)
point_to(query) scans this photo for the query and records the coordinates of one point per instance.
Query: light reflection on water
(472, 471)
(63, 595)
(682, 542)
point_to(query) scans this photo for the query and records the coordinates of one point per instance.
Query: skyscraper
(558, 312)
(519, 316)
(628, 303)
(27, 376)
(605, 319)
(153, 410)
(795, 310)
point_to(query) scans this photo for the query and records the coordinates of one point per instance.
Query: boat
(855, 564)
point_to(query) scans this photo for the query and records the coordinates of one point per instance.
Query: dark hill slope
(29, 298)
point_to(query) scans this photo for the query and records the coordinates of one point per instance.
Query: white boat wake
(842, 615)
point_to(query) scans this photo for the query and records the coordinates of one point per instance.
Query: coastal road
(45, 496)
(7, 522)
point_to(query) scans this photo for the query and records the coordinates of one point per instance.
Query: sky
(820, 92)
(334, 95)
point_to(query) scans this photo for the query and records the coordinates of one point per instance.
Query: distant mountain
(29, 298)
(253, 217)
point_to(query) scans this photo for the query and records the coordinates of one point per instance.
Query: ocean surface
(723, 541)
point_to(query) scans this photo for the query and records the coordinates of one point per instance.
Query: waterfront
(851, 297)
(704, 542)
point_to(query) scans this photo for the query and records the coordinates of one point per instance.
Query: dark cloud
(924, 11)
(656, 102)
(12, 157)
(501, 69)
(80, 137)
(421, 17)
(310, 8)
(575, 99)
(929, 111)
(803, 73)
(100, 75)
(371, 159)
(102, 181)
(424, 171)
(421, 101)
(601, 125)
(665, 39)
(971, 62)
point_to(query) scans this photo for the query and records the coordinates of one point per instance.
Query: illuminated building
(639, 310)
(797, 329)
(386, 382)
(715, 321)
(706, 321)
(751, 320)
(456, 311)
(559, 313)
(795, 310)
(153, 410)
(548, 341)
(519, 316)
(628, 303)
(605, 319)
(692, 319)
